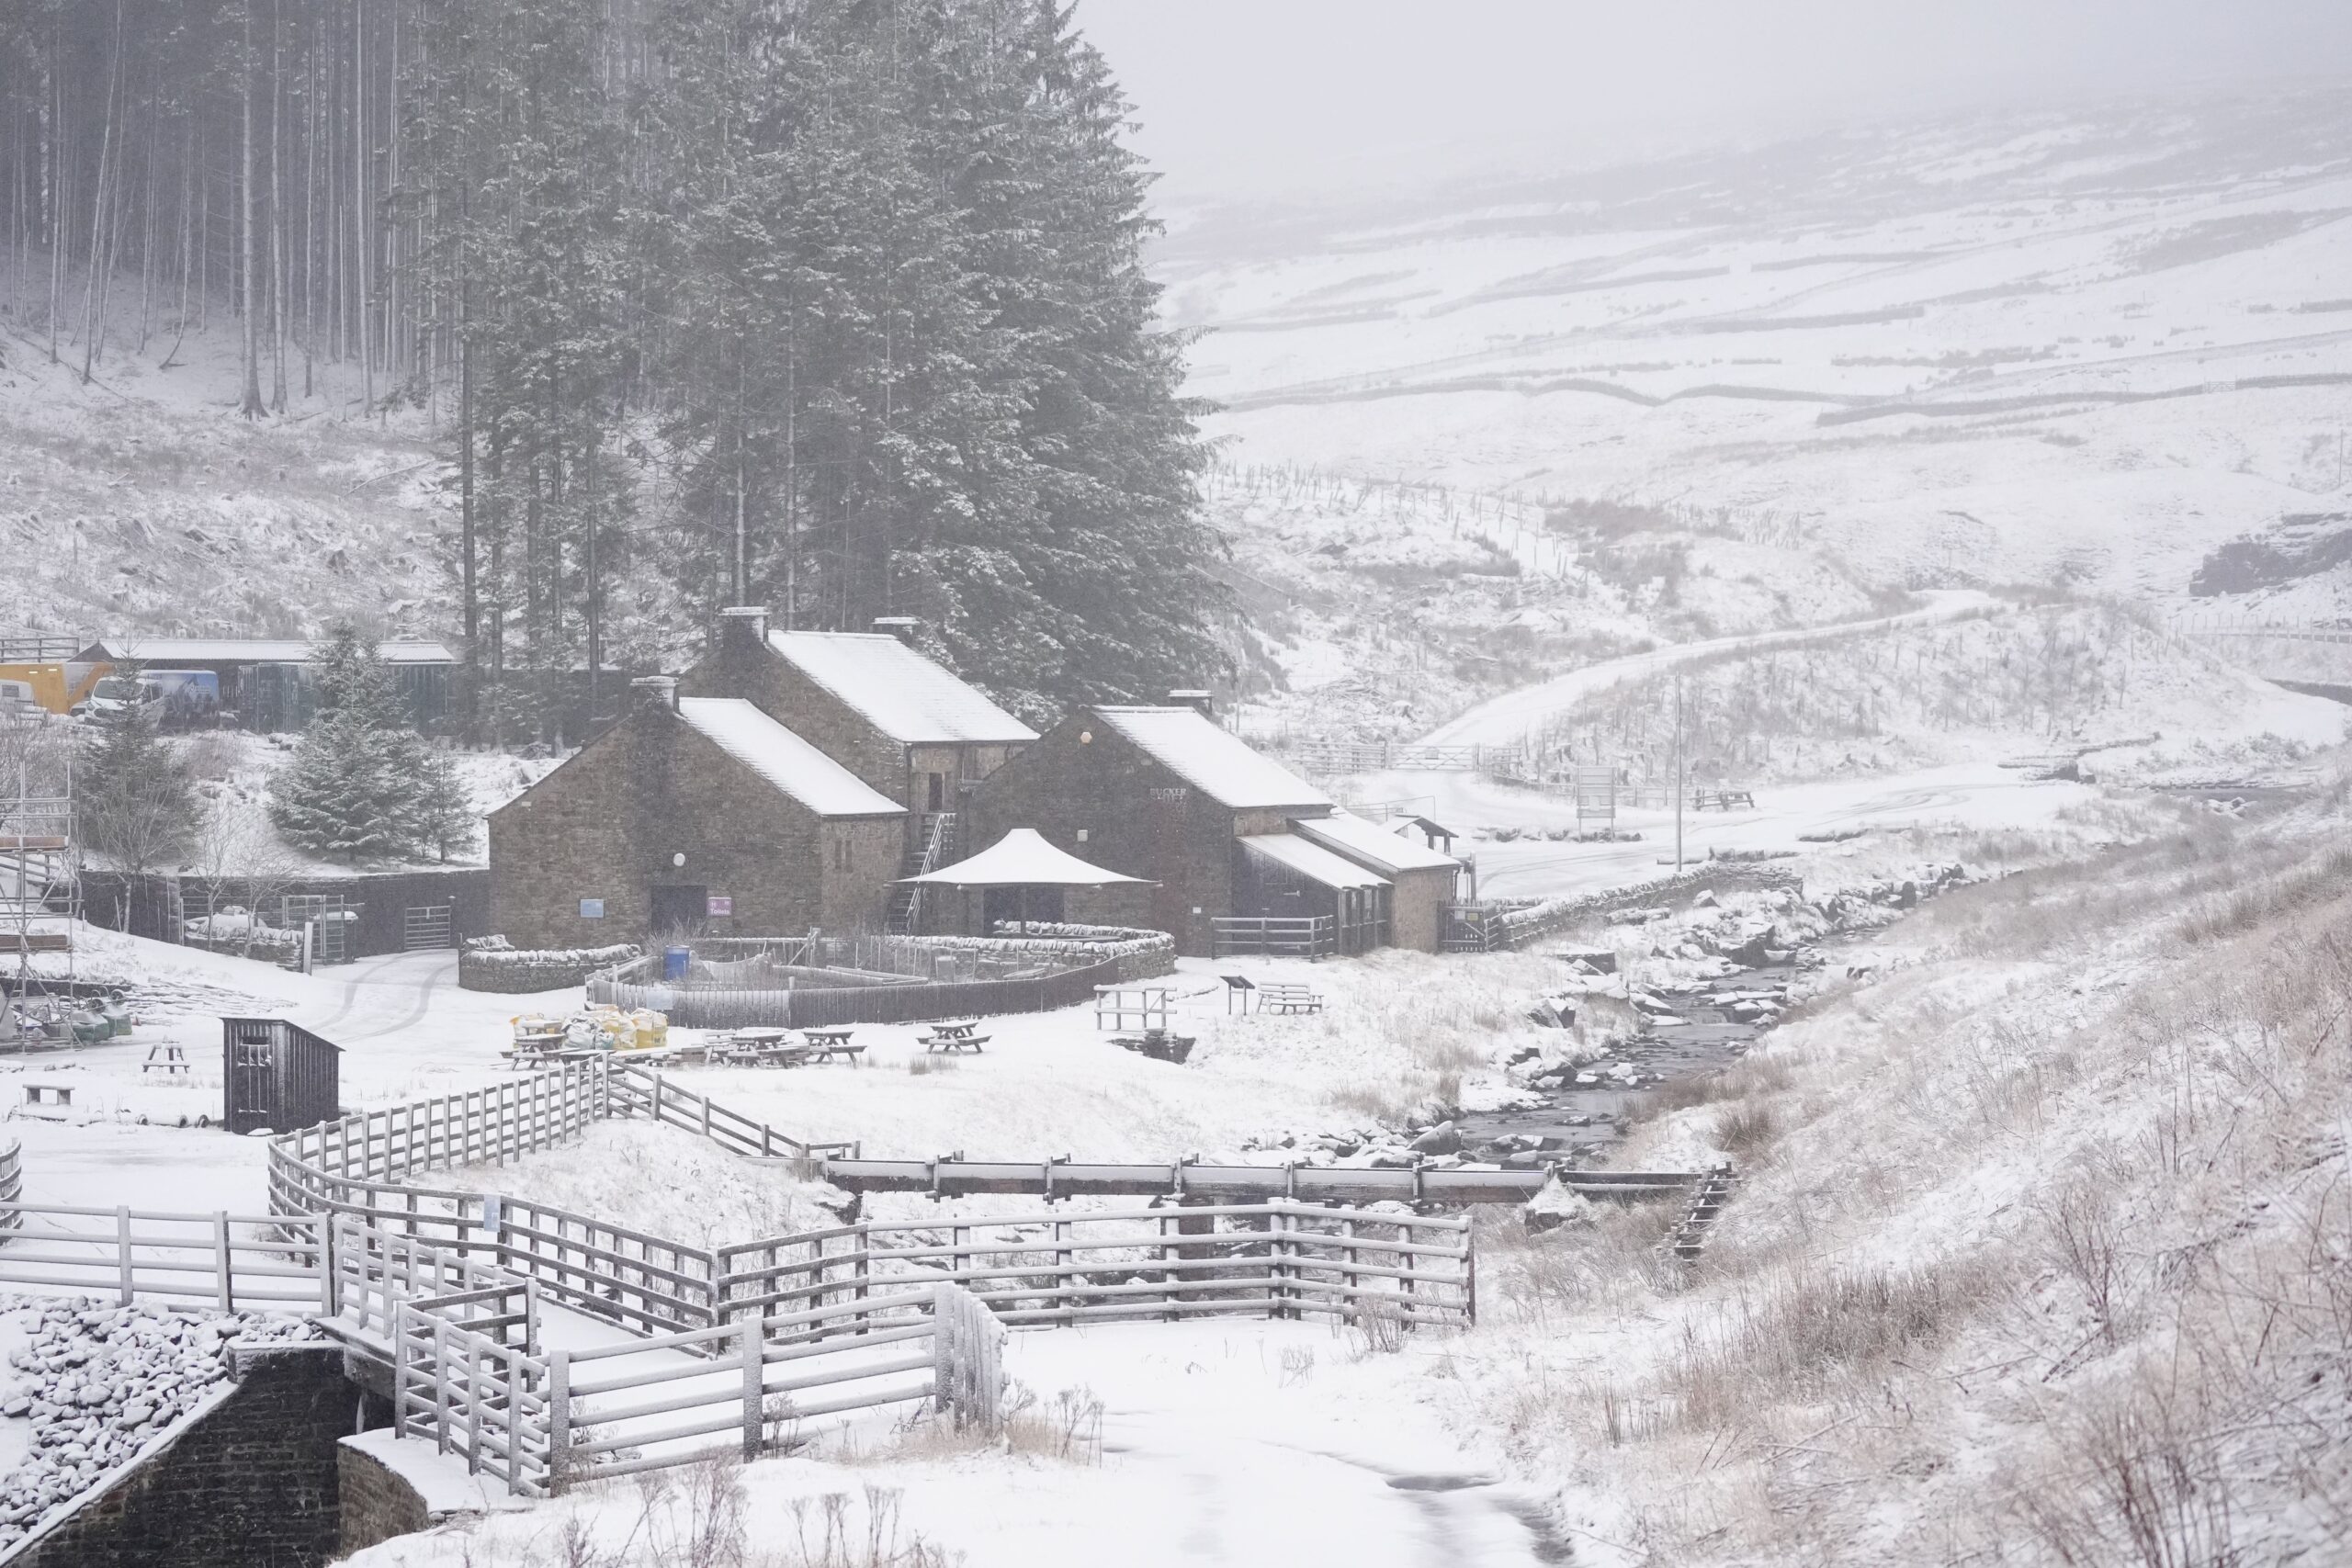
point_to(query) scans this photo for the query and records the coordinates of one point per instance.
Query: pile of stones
(97, 1382)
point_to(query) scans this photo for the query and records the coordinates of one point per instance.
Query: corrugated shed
(1373, 844)
(1212, 760)
(905, 696)
(170, 650)
(1311, 860)
(784, 759)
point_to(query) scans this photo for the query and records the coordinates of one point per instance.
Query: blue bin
(674, 960)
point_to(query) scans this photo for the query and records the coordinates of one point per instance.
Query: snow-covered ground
(2078, 350)
(1216, 1443)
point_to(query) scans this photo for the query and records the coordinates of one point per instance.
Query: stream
(1585, 1114)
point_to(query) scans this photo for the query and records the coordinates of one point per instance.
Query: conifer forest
(834, 306)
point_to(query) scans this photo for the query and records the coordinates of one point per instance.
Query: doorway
(678, 908)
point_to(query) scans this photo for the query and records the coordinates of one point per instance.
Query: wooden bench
(835, 1050)
(1288, 996)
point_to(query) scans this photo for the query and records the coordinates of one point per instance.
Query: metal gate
(426, 926)
(334, 916)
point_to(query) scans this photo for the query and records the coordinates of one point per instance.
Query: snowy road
(1972, 795)
(1515, 716)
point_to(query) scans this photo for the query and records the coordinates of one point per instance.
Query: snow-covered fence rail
(1383, 756)
(632, 1088)
(662, 1400)
(359, 1165)
(1273, 936)
(503, 1122)
(953, 1177)
(1260, 1260)
(238, 1262)
(1280, 1258)
(12, 1185)
(372, 1271)
(461, 1382)
(967, 1370)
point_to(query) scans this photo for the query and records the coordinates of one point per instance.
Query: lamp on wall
(678, 858)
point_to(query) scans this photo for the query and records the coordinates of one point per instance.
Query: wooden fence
(234, 1262)
(12, 1185)
(1299, 936)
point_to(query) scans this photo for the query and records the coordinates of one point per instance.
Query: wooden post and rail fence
(732, 1347)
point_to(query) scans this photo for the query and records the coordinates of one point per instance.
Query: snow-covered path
(1970, 795)
(1242, 1443)
(1507, 719)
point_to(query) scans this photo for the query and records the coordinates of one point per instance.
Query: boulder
(1442, 1139)
(1553, 1205)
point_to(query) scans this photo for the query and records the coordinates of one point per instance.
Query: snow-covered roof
(169, 650)
(1022, 858)
(1369, 843)
(1311, 860)
(905, 696)
(784, 759)
(1212, 760)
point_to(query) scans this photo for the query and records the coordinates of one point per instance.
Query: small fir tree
(445, 809)
(135, 801)
(362, 785)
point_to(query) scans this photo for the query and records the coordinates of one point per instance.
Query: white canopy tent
(1023, 860)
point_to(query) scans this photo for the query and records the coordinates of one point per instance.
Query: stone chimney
(1192, 697)
(900, 626)
(743, 628)
(655, 692)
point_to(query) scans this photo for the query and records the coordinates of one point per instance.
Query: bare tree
(236, 851)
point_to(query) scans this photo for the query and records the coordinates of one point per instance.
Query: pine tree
(444, 820)
(133, 799)
(362, 784)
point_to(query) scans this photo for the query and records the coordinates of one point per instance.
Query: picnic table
(961, 1035)
(760, 1047)
(832, 1044)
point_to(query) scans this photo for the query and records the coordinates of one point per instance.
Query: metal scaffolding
(40, 892)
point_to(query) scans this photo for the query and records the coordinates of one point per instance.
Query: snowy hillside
(138, 501)
(2081, 350)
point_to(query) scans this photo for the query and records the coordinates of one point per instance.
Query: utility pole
(1680, 765)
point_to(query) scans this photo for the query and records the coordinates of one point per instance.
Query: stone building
(898, 720)
(1167, 795)
(692, 813)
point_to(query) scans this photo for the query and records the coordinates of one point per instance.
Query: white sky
(1265, 97)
